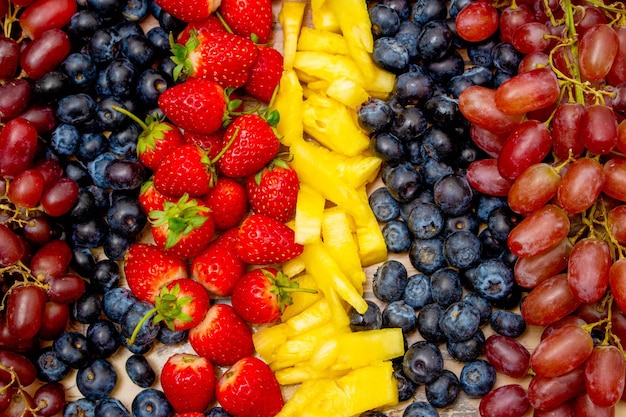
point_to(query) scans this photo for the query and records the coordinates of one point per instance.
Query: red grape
(11, 249)
(597, 49)
(617, 73)
(41, 116)
(617, 282)
(483, 175)
(488, 141)
(15, 96)
(56, 318)
(59, 198)
(49, 399)
(546, 393)
(9, 57)
(588, 269)
(528, 144)
(604, 375)
(507, 355)
(21, 404)
(478, 105)
(26, 188)
(505, 401)
(532, 37)
(586, 408)
(52, 259)
(534, 188)
(24, 310)
(581, 185)
(565, 128)
(533, 61)
(20, 364)
(616, 221)
(615, 181)
(549, 301)
(539, 232)
(598, 129)
(44, 53)
(528, 91)
(563, 410)
(477, 21)
(65, 288)
(512, 17)
(532, 270)
(548, 358)
(43, 15)
(18, 145)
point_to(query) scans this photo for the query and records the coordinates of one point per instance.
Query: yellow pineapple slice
(267, 339)
(369, 387)
(288, 102)
(347, 92)
(326, 66)
(316, 315)
(333, 125)
(372, 246)
(316, 39)
(354, 22)
(308, 218)
(294, 266)
(308, 392)
(301, 299)
(322, 17)
(299, 373)
(378, 81)
(290, 18)
(318, 86)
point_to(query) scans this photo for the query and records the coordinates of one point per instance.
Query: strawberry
(183, 228)
(223, 337)
(207, 27)
(273, 191)
(197, 105)
(261, 295)
(150, 199)
(249, 389)
(263, 240)
(148, 268)
(219, 267)
(156, 139)
(248, 18)
(265, 74)
(185, 170)
(254, 145)
(188, 10)
(228, 202)
(188, 382)
(221, 57)
(212, 142)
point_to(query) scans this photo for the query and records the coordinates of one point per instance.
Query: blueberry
(49, 367)
(406, 387)
(374, 115)
(104, 45)
(80, 69)
(409, 124)
(445, 286)
(407, 35)
(65, 139)
(106, 9)
(458, 84)
(506, 57)
(477, 378)
(135, 11)
(369, 320)
(428, 323)
(124, 174)
(439, 144)
(462, 249)
(442, 70)
(482, 305)
(171, 337)
(494, 280)
(501, 76)
(507, 323)
(217, 412)
(97, 167)
(387, 147)
(383, 205)
(460, 321)
(101, 195)
(399, 314)
(84, 206)
(81, 407)
(384, 19)
(457, 5)
(490, 246)
(111, 407)
(170, 23)
(87, 308)
(136, 348)
(90, 232)
(443, 111)
(467, 350)
(159, 39)
(501, 221)
(106, 275)
(486, 204)
(140, 371)
(103, 338)
(397, 236)
(424, 11)
(434, 40)
(120, 77)
(453, 194)
(83, 261)
(426, 255)
(131, 319)
(417, 292)
(90, 145)
(76, 171)
(51, 86)
(422, 362)
(116, 302)
(481, 53)
(127, 28)
(425, 221)
(97, 379)
(151, 402)
(479, 75)
(433, 170)
(466, 221)
(72, 349)
(126, 217)
(82, 25)
(138, 50)
(107, 117)
(389, 281)
(424, 196)
(150, 84)
(390, 55)
(444, 390)
(403, 182)
(123, 142)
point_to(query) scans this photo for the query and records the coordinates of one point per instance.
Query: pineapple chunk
(327, 66)
(347, 92)
(322, 17)
(293, 267)
(355, 25)
(299, 373)
(288, 102)
(308, 392)
(333, 125)
(337, 235)
(372, 246)
(316, 315)
(290, 18)
(301, 300)
(308, 218)
(318, 86)
(378, 81)
(314, 39)
(267, 339)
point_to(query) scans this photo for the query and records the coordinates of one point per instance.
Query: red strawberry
(190, 414)
(261, 295)
(265, 74)
(228, 202)
(212, 142)
(156, 139)
(206, 27)
(183, 228)
(273, 191)
(219, 267)
(248, 18)
(197, 105)
(189, 11)
(221, 57)
(188, 382)
(185, 170)
(150, 199)
(263, 240)
(222, 337)
(148, 268)
(250, 389)
(254, 145)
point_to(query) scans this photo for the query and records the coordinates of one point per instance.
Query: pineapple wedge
(290, 18)
(301, 300)
(316, 315)
(378, 81)
(355, 25)
(322, 17)
(347, 92)
(372, 246)
(315, 39)
(308, 218)
(267, 339)
(294, 266)
(327, 66)
(302, 372)
(289, 101)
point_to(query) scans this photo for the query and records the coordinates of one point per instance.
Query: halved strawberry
(263, 240)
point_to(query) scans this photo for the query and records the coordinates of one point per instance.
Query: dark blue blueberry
(75, 109)
(84, 207)
(217, 412)
(107, 117)
(90, 145)
(486, 204)
(102, 85)
(453, 194)
(467, 350)
(434, 40)
(116, 245)
(137, 348)
(384, 19)
(370, 320)
(83, 261)
(508, 323)
(140, 371)
(462, 249)
(501, 76)
(374, 115)
(51, 86)
(417, 292)
(151, 403)
(467, 153)
(399, 314)
(494, 280)
(423, 362)
(101, 195)
(72, 348)
(97, 379)
(389, 281)
(383, 205)
(445, 286)
(138, 50)
(90, 232)
(123, 142)
(477, 378)
(116, 302)
(424, 196)
(480, 53)
(80, 69)
(460, 321)
(490, 246)
(111, 407)
(466, 221)
(406, 387)
(171, 337)
(387, 147)
(457, 5)
(103, 338)
(167, 66)
(390, 55)
(426, 255)
(420, 409)
(65, 139)
(75, 170)
(443, 69)
(126, 217)
(428, 323)
(439, 144)
(424, 11)
(413, 88)
(104, 45)
(506, 57)
(87, 308)
(501, 221)
(97, 167)
(123, 174)
(134, 10)
(82, 407)
(482, 305)
(397, 236)
(458, 84)
(479, 75)
(444, 390)
(407, 35)
(121, 75)
(49, 367)
(403, 182)
(425, 221)
(150, 84)
(105, 275)
(128, 28)
(159, 39)
(433, 170)
(82, 25)
(131, 319)
(409, 124)
(106, 9)
(443, 111)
